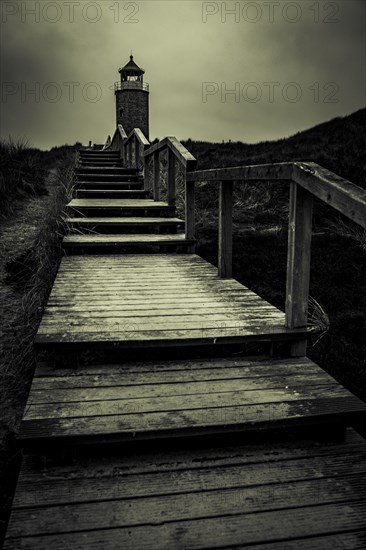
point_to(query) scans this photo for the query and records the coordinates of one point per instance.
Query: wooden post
(171, 178)
(156, 175)
(298, 262)
(123, 152)
(130, 153)
(189, 212)
(225, 230)
(137, 153)
(147, 186)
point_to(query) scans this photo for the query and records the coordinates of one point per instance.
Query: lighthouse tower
(132, 99)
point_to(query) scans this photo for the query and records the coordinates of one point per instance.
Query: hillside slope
(337, 145)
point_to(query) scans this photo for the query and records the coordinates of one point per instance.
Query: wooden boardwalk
(220, 451)
(300, 496)
(152, 300)
(171, 399)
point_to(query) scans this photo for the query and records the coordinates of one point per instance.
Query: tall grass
(31, 273)
(21, 173)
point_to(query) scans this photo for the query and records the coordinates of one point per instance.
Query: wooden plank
(151, 474)
(260, 172)
(351, 540)
(217, 503)
(120, 203)
(298, 262)
(122, 239)
(341, 194)
(77, 314)
(225, 230)
(187, 371)
(171, 178)
(156, 175)
(261, 527)
(123, 390)
(208, 322)
(222, 400)
(173, 144)
(116, 339)
(190, 212)
(121, 303)
(124, 221)
(255, 365)
(168, 424)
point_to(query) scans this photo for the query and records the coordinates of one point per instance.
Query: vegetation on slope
(31, 232)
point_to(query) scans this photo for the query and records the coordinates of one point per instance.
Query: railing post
(130, 153)
(298, 262)
(225, 229)
(189, 212)
(147, 186)
(171, 178)
(156, 175)
(137, 153)
(124, 149)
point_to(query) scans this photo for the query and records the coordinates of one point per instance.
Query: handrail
(117, 140)
(133, 148)
(176, 152)
(129, 146)
(307, 179)
(341, 194)
(182, 154)
(107, 144)
(131, 85)
(121, 131)
(139, 135)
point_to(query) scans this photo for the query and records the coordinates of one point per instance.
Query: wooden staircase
(113, 212)
(197, 444)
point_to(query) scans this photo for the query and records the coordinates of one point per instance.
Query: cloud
(180, 53)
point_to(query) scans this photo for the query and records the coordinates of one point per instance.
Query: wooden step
(307, 496)
(106, 178)
(111, 193)
(126, 183)
(107, 207)
(100, 163)
(107, 170)
(102, 155)
(75, 243)
(121, 223)
(149, 401)
(96, 303)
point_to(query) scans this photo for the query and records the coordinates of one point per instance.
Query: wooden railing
(118, 138)
(176, 153)
(306, 180)
(131, 146)
(133, 149)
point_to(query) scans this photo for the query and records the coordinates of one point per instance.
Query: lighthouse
(132, 98)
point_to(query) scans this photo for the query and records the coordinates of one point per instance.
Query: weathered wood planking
(141, 204)
(94, 299)
(285, 496)
(298, 262)
(125, 240)
(127, 221)
(191, 400)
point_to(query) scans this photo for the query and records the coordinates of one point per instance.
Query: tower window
(120, 112)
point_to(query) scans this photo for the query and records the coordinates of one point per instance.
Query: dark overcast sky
(310, 55)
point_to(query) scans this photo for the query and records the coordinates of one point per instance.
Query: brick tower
(132, 99)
